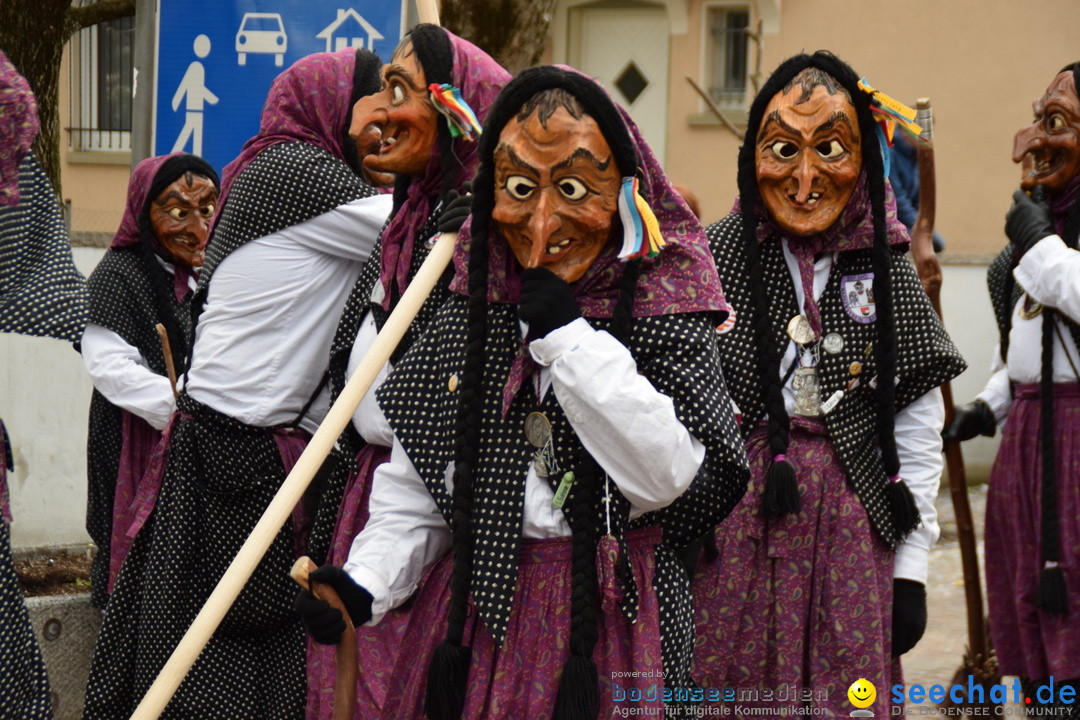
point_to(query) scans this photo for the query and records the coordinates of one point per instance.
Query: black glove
(970, 420)
(908, 615)
(546, 301)
(1027, 222)
(456, 207)
(323, 622)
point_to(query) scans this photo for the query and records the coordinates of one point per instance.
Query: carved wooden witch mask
(1050, 146)
(556, 186)
(180, 217)
(808, 154)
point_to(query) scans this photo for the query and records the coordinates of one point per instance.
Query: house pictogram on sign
(349, 30)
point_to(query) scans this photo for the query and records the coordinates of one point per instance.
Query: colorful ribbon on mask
(641, 231)
(459, 116)
(891, 113)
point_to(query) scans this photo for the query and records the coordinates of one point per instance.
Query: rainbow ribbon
(459, 116)
(641, 231)
(890, 113)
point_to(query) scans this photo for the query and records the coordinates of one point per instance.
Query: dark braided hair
(578, 693)
(1053, 597)
(781, 490)
(177, 329)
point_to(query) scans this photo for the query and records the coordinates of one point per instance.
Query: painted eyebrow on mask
(201, 199)
(774, 117)
(398, 71)
(515, 159)
(837, 117)
(582, 152)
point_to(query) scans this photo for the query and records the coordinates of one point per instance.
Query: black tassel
(447, 681)
(1053, 598)
(905, 513)
(579, 691)
(781, 490)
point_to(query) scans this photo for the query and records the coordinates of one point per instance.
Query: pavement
(940, 653)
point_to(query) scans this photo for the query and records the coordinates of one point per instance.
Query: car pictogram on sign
(261, 33)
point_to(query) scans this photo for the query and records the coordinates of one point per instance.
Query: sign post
(216, 60)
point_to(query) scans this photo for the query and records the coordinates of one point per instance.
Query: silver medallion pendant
(538, 433)
(537, 429)
(807, 389)
(832, 343)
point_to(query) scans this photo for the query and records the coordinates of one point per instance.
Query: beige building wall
(981, 62)
(94, 184)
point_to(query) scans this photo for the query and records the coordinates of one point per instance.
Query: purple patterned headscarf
(480, 79)
(18, 127)
(681, 279)
(127, 235)
(309, 103)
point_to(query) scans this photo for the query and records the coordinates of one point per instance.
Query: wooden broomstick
(978, 661)
(291, 490)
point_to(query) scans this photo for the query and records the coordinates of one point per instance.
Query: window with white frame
(726, 54)
(102, 68)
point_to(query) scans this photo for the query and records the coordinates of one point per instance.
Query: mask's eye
(784, 149)
(1055, 122)
(397, 94)
(830, 149)
(519, 187)
(177, 213)
(572, 189)
(206, 210)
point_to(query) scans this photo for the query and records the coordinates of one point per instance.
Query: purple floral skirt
(379, 645)
(794, 610)
(520, 679)
(1028, 641)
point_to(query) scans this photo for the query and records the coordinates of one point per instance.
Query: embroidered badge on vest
(857, 292)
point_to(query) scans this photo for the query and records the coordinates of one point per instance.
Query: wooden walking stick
(345, 657)
(166, 350)
(291, 490)
(978, 661)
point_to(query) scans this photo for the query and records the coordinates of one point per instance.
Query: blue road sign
(216, 60)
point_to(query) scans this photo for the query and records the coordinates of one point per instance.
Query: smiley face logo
(862, 693)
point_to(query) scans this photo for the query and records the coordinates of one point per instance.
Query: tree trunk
(511, 31)
(33, 34)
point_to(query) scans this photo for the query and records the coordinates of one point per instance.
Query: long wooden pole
(428, 11)
(926, 263)
(291, 490)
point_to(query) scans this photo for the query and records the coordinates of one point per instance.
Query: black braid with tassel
(449, 670)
